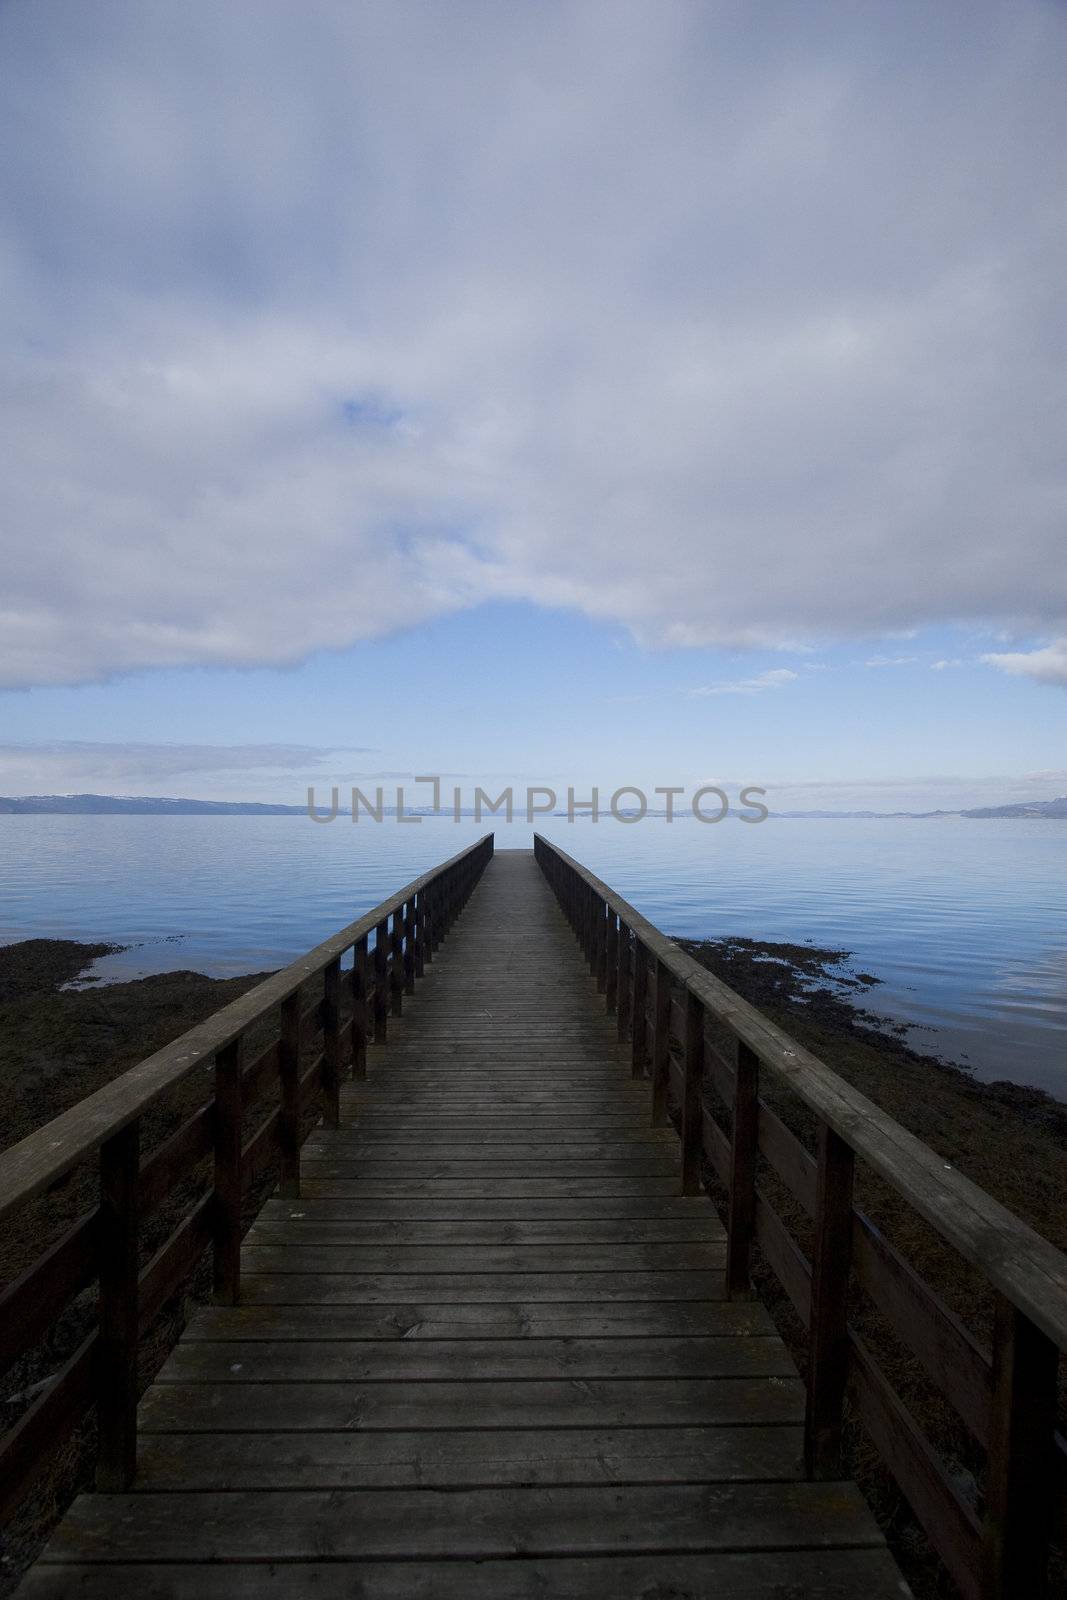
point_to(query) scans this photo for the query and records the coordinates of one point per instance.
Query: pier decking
(487, 1337)
(488, 1351)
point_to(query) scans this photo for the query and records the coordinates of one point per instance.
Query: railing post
(623, 997)
(438, 913)
(693, 1099)
(381, 982)
(419, 932)
(600, 935)
(744, 1144)
(611, 962)
(359, 1009)
(409, 946)
(639, 1011)
(1021, 1476)
(426, 924)
(229, 1113)
(661, 1046)
(289, 1085)
(828, 1328)
(396, 963)
(331, 1044)
(116, 1364)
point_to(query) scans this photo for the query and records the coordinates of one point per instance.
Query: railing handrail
(49, 1153)
(1025, 1267)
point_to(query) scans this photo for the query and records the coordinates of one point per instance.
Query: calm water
(964, 921)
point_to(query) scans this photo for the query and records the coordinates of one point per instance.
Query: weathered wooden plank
(651, 1168)
(481, 1122)
(635, 1155)
(534, 1084)
(464, 1172)
(517, 1130)
(540, 1186)
(483, 1259)
(371, 1288)
(313, 1230)
(468, 1458)
(362, 1524)
(468, 1360)
(748, 1575)
(482, 1320)
(432, 1143)
(356, 1202)
(606, 1403)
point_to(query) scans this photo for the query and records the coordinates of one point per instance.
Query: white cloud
(322, 321)
(941, 666)
(918, 792)
(890, 661)
(65, 766)
(1048, 665)
(776, 679)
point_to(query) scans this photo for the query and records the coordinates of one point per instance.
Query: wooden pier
(490, 1338)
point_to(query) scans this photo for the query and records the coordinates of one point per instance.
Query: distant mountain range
(1023, 808)
(73, 805)
(76, 805)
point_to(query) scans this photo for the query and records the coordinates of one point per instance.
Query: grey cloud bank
(738, 325)
(275, 774)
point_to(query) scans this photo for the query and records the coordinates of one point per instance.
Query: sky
(596, 392)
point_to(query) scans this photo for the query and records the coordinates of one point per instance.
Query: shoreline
(798, 987)
(59, 1043)
(810, 990)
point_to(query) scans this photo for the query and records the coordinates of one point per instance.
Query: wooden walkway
(487, 1353)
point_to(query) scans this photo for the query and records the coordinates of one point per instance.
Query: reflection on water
(964, 921)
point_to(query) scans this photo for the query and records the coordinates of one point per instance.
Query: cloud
(919, 792)
(320, 322)
(890, 661)
(776, 679)
(941, 666)
(65, 766)
(1048, 665)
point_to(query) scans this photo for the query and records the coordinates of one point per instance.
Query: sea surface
(964, 921)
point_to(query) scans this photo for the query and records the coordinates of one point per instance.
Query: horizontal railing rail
(302, 1066)
(673, 1014)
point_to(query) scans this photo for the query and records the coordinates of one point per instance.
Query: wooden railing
(390, 947)
(675, 1015)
